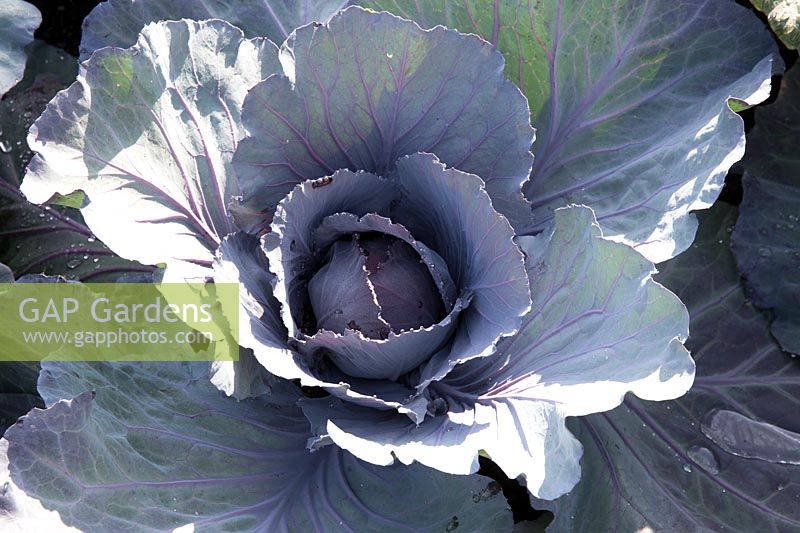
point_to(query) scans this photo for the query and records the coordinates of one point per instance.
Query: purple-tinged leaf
(289, 245)
(336, 226)
(149, 142)
(404, 288)
(766, 241)
(20, 512)
(384, 358)
(341, 295)
(182, 453)
(241, 259)
(47, 71)
(599, 327)
(631, 102)
(367, 89)
(118, 22)
(451, 212)
(658, 465)
(446, 210)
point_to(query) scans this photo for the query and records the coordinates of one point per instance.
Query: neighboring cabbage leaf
(784, 19)
(18, 21)
(766, 241)
(150, 141)
(599, 327)
(47, 239)
(48, 70)
(664, 466)
(630, 102)
(118, 22)
(181, 453)
(53, 240)
(17, 381)
(367, 89)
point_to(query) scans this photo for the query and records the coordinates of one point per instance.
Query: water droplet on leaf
(704, 458)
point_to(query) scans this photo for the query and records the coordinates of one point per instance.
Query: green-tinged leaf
(629, 99)
(766, 241)
(183, 453)
(723, 457)
(18, 21)
(784, 19)
(75, 200)
(118, 22)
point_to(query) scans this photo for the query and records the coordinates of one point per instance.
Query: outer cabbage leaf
(240, 259)
(184, 454)
(20, 512)
(599, 327)
(784, 19)
(367, 89)
(150, 141)
(766, 241)
(629, 99)
(18, 395)
(118, 22)
(51, 239)
(663, 466)
(18, 21)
